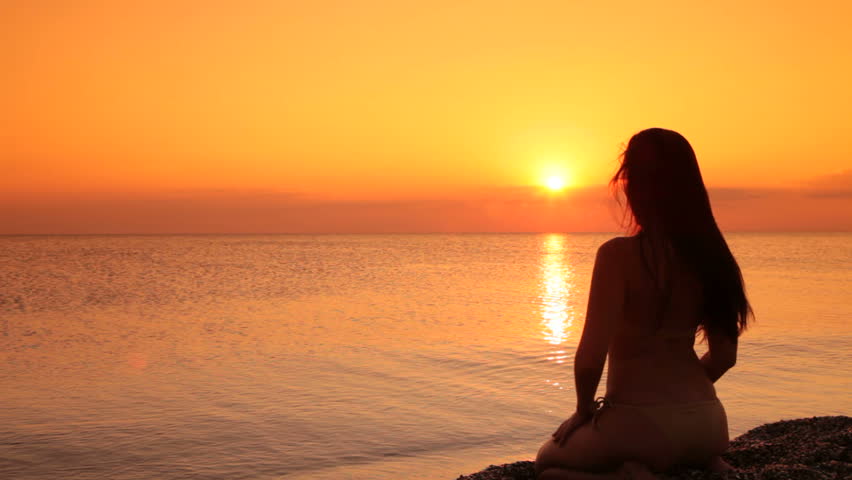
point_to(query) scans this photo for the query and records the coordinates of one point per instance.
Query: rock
(816, 448)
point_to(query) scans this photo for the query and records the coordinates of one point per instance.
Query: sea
(354, 356)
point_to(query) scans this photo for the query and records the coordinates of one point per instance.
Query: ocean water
(353, 356)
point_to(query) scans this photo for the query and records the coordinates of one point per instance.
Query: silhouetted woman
(650, 294)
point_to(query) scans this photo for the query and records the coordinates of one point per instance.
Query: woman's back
(651, 356)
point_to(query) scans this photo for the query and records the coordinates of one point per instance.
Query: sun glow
(555, 183)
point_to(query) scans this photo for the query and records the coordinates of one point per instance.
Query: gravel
(815, 448)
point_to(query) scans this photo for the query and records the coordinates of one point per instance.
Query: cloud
(506, 209)
(836, 185)
(735, 194)
(836, 181)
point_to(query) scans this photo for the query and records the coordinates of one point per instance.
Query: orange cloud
(520, 209)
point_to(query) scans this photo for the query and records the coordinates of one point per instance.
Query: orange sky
(275, 116)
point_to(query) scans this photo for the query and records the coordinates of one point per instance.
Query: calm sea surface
(353, 356)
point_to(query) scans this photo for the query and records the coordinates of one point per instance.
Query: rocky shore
(816, 448)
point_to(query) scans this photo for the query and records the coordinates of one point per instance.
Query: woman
(650, 294)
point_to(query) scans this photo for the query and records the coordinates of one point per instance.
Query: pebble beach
(816, 448)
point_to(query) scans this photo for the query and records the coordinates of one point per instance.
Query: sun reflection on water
(557, 287)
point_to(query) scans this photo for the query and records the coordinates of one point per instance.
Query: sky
(413, 116)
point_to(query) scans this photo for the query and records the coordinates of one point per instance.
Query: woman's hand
(568, 426)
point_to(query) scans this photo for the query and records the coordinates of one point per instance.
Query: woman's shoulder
(617, 246)
(623, 252)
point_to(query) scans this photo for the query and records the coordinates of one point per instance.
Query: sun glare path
(557, 316)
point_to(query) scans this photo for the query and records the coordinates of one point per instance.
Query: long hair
(669, 205)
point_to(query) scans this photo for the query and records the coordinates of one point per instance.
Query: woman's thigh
(585, 449)
(620, 435)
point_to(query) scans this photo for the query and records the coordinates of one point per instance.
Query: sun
(555, 176)
(555, 183)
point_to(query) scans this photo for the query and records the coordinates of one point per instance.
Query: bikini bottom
(696, 431)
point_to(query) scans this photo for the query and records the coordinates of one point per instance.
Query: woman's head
(662, 184)
(668, 203)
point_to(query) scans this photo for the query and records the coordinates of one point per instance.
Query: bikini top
(662, 333)
(674, 333)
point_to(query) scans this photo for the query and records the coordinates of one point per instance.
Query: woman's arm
(606, 306)
(721, 356)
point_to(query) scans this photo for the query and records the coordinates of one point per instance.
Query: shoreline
(803, 448)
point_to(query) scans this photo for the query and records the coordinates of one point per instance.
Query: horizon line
(154, 234)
